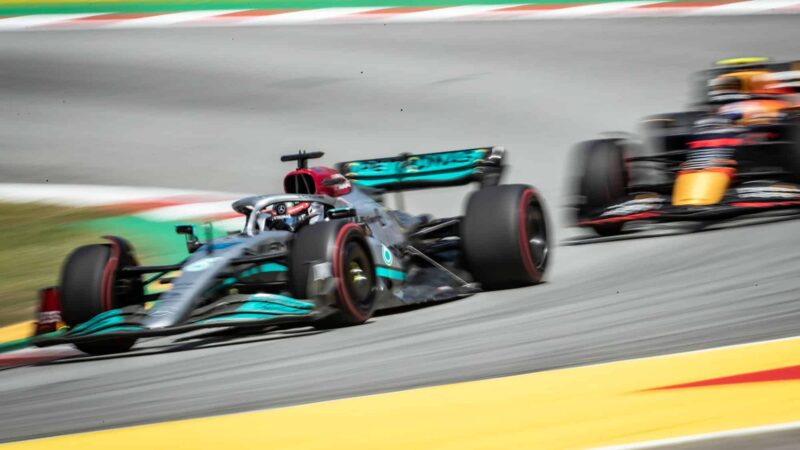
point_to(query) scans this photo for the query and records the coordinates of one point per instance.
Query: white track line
(748, 7)
(660, 443)
(435, 15)
(39, 20)
(188, 211)
(95, 195)
(592, 10)
(354, 15)
(164, 20)
(311, 15)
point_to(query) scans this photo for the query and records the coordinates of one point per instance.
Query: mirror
(192, 243)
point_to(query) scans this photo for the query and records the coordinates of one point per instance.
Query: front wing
(737, 202)
(232, 311)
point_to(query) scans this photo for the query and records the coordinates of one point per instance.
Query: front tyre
(342, 244)
(504, 236)
(91, 284)
(603, 180)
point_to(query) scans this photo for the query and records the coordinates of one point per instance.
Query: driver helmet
(726, 88)
(737, 86)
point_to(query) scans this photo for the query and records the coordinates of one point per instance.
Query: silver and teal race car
(325, 253)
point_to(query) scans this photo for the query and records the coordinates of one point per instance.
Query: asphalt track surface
(213, 109)
(785, 440)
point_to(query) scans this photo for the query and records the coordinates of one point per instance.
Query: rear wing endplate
(427, 170)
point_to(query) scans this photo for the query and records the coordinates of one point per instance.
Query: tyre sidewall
(83, 279)
(327, 242)
(88, 288)
(604, 175)
(494, 237)
(603, 181)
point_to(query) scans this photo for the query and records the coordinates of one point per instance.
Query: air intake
(299, 183)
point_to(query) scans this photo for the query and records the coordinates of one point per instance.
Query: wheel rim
(358, 276)
(536, 232)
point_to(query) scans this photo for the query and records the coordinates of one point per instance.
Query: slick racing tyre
(602, 180)
(342, 244)
(793, 152)
(504, 236)
(91, 284)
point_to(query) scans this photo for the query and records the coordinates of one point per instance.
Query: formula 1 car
(325, 253)
(720, 167)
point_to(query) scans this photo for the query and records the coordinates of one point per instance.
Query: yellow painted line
(17, 331)
(602, 405)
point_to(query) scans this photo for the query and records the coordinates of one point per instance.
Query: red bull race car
(738, 155)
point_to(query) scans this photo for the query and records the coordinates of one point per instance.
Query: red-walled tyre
(504, 236)
(344, 245)
(91, 284)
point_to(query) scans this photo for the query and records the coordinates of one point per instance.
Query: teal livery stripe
(111, 317)
(240, 316)
(433, 167)
(264, 268)
(120, 328)
(281, 300)
(398, 178)
(266, 306)
(388, 272)
(271, 308)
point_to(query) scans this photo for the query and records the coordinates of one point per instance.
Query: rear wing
(427, 170)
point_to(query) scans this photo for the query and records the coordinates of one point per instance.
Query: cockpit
(284, 212)
(289, 216)
(311, 196)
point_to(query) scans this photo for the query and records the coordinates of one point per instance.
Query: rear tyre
(343, 245)
(90, 285)
(602, 181)
(504, 236)
(793, 153)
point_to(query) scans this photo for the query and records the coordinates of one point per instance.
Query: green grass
(34, 240)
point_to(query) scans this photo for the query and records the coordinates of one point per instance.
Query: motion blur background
(213, 108)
